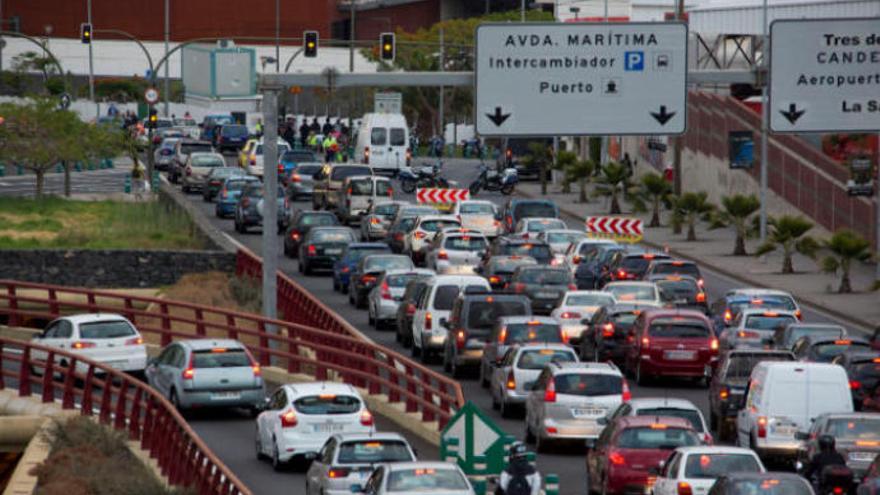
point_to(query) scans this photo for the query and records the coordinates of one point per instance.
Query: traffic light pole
(92, 63)
(150, 130)
(270, 199)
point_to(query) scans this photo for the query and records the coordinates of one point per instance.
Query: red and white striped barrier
(625, 229)
(437, 195)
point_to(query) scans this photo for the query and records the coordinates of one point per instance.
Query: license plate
(587, 413)
(785, 430)
(116, 364)
(329, 427)
(225, 395)
(546, 295)
(862, 456)
(680, 355)
(333, 251)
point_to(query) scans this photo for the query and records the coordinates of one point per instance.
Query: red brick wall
(409, 17)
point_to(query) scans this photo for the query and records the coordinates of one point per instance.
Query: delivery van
(382, 142)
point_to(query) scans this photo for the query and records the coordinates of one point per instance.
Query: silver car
(514, 376)
(383, 299)
(454, 249)
(560, 239)
(479, 215)
(198, 166)
(349, 459)
(301, 182)
(377, 219)
(509, 331)
(207, 373)
(437, 478)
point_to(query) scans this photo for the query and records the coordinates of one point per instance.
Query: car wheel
(186, 189)
(496, 404)
(605, 488)
(299, 266)
(504, 409)
(415, 351)
(426, 356)
(541, 444)
(447, 361)
(307, 269)
(407, 339)
(259, 446)
(529, 436)
(484, 380)
(174, 400)
(640, 380)
(370, 320)
(359, 301)
(713, 422)
(456, 369)
(277, 465)
(335, 285)
(351, 297)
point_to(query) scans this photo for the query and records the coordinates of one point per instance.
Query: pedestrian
(328, 144)
(137, 180)
(304, 133)
(289, 134)
(327, 128)
(112, 111)
(315, 127)
(313, 141)
(258, 128)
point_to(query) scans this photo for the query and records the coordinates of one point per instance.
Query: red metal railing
(297, 348)
(122, 402)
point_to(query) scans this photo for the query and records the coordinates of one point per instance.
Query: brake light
(280, 168)
(617, 459)
(348, 191)
(798, 314)
(385, 291)
(368, 279)
(295, 178)
(429, 321)
(312, 250)
(256, 369)
(658, 426)
(608, 330)
(335, 473)
(419, 234)
(188, 170)
(626, 394)
(727, 315)
(442, 255)
(576, 260)
(842, 342)
(684, 488)
(570, 315)
(496, 223)
(646, 342)
(502, 336)
(189, 373)
(701, 297)
(550, 392)
(519, 287)
(762, 426)
(367, 418)
(855, 384)
(724, 393)
(288, 419)
(134, 341)
(494, 280)
(83, 345)
(572, 287)
(700, 282)
(747, 334)
(511, 381)
(837, 490)
(714, 344)
(621, 274)
(459, 339)
(367, 155)
(375, 220)
(294, 234)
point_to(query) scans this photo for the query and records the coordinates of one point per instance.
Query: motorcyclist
(519, 477)
(827, 456)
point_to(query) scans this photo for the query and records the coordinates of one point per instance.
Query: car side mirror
(590, 443)
(357, 488)
(802, 435)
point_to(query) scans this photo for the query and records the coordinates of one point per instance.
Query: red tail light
(502, 335)
(390, 192)
(511, 381)
(701, 297)
(626, 395)
(134, 341)
(727, 316)
(367, 418)
(256, 369)
(608, 330)
(494, 280)
(442, 255)
(189, 373)
(295, 178)
(459, 339)
(621, 274)
(684, 488)
(646, 342)
(572, 287)
(798, 314)
(410, 309)
(617, 459)
(747, 334)
(550, 392)
(429, 321)
(294, 234)
(724, 393)
(570, 315)
(375, 220)
(576, 260)
(367, 155)
(280, 168)
(519, 287)
(855, 384)
(714, 344)
(245, 202)
(509, 153)
(83, 345)
(348, 191)
(419, 235)
(762, 426)
(189, 170)
(288, 419)
(368, 279)
(335, 473)
(385, 291)
(837, 490)
(312, 250)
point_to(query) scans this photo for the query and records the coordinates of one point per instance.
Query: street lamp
(575, 11)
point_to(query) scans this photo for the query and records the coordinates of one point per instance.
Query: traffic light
(310, 44)
(152, 119)
(387, 46)
(85, 32)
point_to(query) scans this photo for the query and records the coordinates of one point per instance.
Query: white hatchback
(635, 293)
(577, 309)
(109, 339)
(695, 469)
(298, 419)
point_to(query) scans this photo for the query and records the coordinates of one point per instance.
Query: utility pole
(765, 116)
(522, 11)
(270, 202)
(351, 20)
(277, 35)
(442, 91)
(166, 90)
(679, 141)
(92, 61)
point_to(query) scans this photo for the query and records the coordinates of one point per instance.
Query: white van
(358, 193)
(784, 398)
(383, 142)
(435, 306)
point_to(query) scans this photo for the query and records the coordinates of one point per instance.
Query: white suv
(570, 400)
(429, 335)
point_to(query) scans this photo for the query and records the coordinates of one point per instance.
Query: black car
(769, 483)
(545, 286)
(822, 349)
(606, 337)
(322, 246)
(301, 223)
(517, 208)
(470, 324)
(729, 383)
(248, 209)
(681, 291)
(230, 137)
(594, 263)
(365, 275)
(499, 269)
(630, 266)
(863, 370)
(507, 246)
(674, 267)
(215, 179)
(407, 308)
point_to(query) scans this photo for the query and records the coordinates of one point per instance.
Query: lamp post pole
(765, 49)
(277, 35)
(92, 61)
(167, 91)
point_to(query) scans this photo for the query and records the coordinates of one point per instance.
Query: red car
(670, 342)
(620, 461)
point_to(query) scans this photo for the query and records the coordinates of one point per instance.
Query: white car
(561, 239)
(434, 308)
(665, 406)
(349, 459)
(423, 232)
(255, 157)
(479, 215)
(529, 228)
(455, 248)
(384, 298)
(583, 251)
(635, 293)
(436, 478)
(695, 469)
(577, 309)
(514, 376)
(299, 418)
(781, 295)
(755, 327)
(109, 339)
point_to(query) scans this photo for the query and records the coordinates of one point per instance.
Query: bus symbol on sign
(634, 61)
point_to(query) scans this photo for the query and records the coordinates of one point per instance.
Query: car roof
(203, 344)
(520, 240)
(584, 367)
(562, 231)
(425, 218)
(379, 435)
(756, 351)
(849, 415)
(668, 402)
(622, 307)
(455, 279)
(861, 355)
(642, 254)
(714, 449)
(414, 271)
(588, 293)
(399, 466)
(92, 317)
(824, 339)
(322, 387)
(749, 475)
(631, 284)
(642, 421)
(513, 320)
(536, 346)
(752, 311)
(669, 277)
(757, 291)
(656, 313)
(540, 219)
(194, 141)
(370, 245)
(675, 261)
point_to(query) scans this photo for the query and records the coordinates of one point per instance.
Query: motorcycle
(490, 180)
(833, 480)
(410, 179)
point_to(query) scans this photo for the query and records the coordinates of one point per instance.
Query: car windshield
(221, 358)
(741, 365)
(678, 269)
(767, 322)
(483, 314)
(317, 219)
(691, 415)
(299, 156)
(658, 436)
(234, 130)
(631, 292)
(827, 351)
(437, 225)
(544, 277)
(588, 385)
(769, 486)
(517, 333)
(226, 172)
(373, 451)
(508, 265)
(865, 429)
(679, 329)
(635, 264)
(765, 301)
(360, 187)
(237, 185)
(357, 253)
(588, 300)
(383, 188)
(476, 209)
(334, 236)
(539, 252)
(542, 225)
(564, 237)
(396, 262)
(327, 404)
(207, 161)
(538, 358)
(528, 209)
(400, 280)
(106, 329)
(425, 480)
(711, 466)
(624, 320)
(465, 243)
(340, 172)
(415, 211)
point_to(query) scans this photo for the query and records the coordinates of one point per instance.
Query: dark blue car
(290, 159)
(349, 259)
(227, 196)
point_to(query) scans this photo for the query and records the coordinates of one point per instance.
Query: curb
(860, 324)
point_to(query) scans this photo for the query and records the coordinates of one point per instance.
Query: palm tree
(580, 171)
(846, 246)
(539, 155)
(657, 190)
(565, 161)
(737, 210)
(689, 207)
(789, 232)
(614, 179)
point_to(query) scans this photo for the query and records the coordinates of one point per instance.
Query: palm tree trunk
(40, 173)
(543, 170)
(845, 286)
(66, 166)
(583, 189)
(655, 217)
(739, 247)
(615, 204)
(692, 232)
(787, 265)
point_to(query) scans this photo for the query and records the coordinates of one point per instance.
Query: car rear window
(237, 185)
(529, 209)
(398, 136)
(307, 170)
(425, 480)
(415, 211)
(361, 187)
(540, 252)
(317, 220)
(763, 322)
(221, 358)
(397, 262)
(373, 451)
(383, 188)
(465, 243)
(378, 136)
(106, 329)
(476, 209)
(340, 172)
(207, 161)
(864, 429)
(589, 299)
(692, 416)
(656, 437)
(400, 280)
(544, 277)
(385, 209)
(631, 292)
(711, 466)
(679, 329)
(357, 253)
(588, 385)
(299, 156)
(186, 149)
(561, 237)
(508, 265)
(769, 486)
(867, 369)
(327, 404)
(827, 351)
(741, 365)
(635, 264)
(679, 288)
(542, 225)
(332, 236)
(518, 333)
(538, 358)
(677, 268)
(437, 225)
(624, 320)
(483, 314)
(234, 130)
(830, 332)
(445, 297)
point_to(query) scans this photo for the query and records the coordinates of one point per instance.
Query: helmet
(826, 443)
(518, 451)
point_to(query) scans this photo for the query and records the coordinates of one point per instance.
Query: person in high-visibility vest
(329, 143)
(313, 141)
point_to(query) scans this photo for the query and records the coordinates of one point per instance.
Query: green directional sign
(474, 441)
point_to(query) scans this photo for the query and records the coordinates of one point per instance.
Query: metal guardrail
(124, 403)
(329, 348)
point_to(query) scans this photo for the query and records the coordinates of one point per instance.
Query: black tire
(529, 436)
(175, 401)
(455, 370)
(359, 302)
(370, 320)
(307, 270)
(408, 186)
(406, 339)
(504, 409)
(258, 447)
(484, 380)
(640, 380)
(507, 189)
(415, 351)
(335, 285)
(277, 465)
(185, 189)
